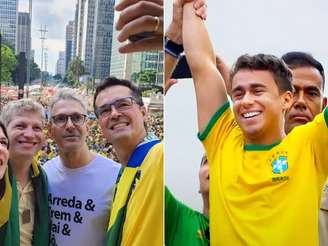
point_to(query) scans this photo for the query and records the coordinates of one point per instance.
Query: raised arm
(170, 60)
(174, 34)
(209, 85)
(225, 73)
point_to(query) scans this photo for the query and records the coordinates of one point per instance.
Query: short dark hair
(297, 59)
(112, 81)
(2, 126)
(280, 72)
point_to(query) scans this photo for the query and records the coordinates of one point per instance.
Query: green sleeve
(171, 211)
(183, 225)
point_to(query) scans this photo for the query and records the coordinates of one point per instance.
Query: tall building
(8, 21)
(87, 36)
(60, 65)
(79, 26)
(128, 66)
(102, 38)
(23, 34)
(153, 61)
(75, 30)
(93, 35)
(119, 63)
(69, 43)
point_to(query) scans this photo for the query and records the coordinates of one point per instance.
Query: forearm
(209, 85)
(170, 63)
(173, 33)
(196, 40)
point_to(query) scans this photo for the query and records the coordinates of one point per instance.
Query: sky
(55, 15)
(236, 27)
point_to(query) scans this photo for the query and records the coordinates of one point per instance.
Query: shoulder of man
(107, 165)
(50, 164)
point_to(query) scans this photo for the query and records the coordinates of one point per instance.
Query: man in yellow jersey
(308, 101)
(265, 187)
(137, 212)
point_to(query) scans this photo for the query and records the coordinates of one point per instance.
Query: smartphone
(182, 70)
(140, 36)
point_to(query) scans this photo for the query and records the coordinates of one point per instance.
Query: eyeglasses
(77, 119)
(120, 105)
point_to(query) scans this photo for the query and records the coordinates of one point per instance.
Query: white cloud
(53, 47)
(55, 14)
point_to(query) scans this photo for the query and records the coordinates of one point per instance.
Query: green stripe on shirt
(213, 120)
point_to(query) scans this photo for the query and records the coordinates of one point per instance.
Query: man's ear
(144, 112)
(287, 98)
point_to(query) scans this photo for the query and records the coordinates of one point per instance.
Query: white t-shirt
(79, 201)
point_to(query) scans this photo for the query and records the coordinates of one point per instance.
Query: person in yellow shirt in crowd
(136, 217)
(263, 190)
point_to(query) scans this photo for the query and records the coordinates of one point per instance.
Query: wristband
(173, 48)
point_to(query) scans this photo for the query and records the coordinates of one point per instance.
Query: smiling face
(308, 98)
(258, 106)
(25, 132)
(121, 126)
(69, 137)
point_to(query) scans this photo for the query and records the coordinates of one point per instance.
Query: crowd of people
(95, 139)
(79, 196)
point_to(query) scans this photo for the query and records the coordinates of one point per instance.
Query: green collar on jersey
(260, 147)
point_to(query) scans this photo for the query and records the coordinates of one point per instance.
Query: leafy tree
(75, 70)
(8, 44)
(69, 78)
(89, 85)
(46, 76)
(8, 64)
(57, 77)
(134, 77)
(147, 76)
(35, 72)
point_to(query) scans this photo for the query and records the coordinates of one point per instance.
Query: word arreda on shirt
(74, 216)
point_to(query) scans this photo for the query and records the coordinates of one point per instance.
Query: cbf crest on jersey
(279, 165)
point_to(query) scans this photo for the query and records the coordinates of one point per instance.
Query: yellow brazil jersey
(143, 223)
(265, 195)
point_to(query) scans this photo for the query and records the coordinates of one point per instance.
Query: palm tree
(77, 68)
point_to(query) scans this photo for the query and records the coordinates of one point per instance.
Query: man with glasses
(137, 214)
(80, 181)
